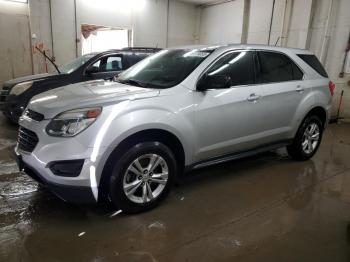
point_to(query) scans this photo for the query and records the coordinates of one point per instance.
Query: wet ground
(265, 208)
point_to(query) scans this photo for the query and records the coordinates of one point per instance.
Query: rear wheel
(142, 177)
(307, 139)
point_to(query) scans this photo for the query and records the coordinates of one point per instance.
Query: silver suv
(177, 110)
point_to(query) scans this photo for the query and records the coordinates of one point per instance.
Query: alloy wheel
(145, 178)
(311, 138)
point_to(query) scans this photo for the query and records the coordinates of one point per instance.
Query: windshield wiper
(133, 82)
(48, 58)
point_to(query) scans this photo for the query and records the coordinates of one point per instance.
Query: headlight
(20, 88)
(71, 123)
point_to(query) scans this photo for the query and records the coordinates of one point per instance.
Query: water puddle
(5, 143)
(18, 186)
(157, 225)
(8, 167)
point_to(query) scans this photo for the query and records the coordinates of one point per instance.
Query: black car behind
(16, 93)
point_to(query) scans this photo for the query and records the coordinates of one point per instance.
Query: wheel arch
(155, 134)
(318, 111)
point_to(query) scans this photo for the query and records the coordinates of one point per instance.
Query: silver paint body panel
(208, 124)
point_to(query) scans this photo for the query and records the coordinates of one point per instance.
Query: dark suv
(16, 93)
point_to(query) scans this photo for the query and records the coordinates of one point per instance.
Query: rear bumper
(328, 115)
(71, 194)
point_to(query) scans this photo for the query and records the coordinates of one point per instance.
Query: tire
(297, 150)
(128, 174)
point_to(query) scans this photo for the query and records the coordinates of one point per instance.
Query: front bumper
(80, 188)
(71, 194)
(38, 160)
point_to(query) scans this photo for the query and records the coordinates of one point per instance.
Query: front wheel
(307, 139)
(142, 177)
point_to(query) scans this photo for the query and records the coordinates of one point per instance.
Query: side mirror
(115, 77)
(92, 70)
(214, 82)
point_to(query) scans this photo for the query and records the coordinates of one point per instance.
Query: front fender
(122, 121)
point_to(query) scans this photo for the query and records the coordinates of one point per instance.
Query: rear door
(284, 89)
(229, 120)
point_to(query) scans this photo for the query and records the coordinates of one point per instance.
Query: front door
(231, 119)
(105, 68)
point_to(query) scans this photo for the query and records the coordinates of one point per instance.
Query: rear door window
(312, 61)
(239, 66)
(277, 67)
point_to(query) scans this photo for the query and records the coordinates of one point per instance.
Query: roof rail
(141, 49)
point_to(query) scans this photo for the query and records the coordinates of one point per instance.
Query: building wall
(182, 23)
(221, 23)
(304, 27)
(15, 49)
(155, 23)
(147, 18)
(335, 47)
(259, 21)
(142, 16)
(39, 13)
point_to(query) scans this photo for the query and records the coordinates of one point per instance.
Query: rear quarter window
(312, 61)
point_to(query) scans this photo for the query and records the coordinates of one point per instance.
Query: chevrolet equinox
(180, 109)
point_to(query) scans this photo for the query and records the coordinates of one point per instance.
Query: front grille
(4, 92)
(27, 140)
(33, 115)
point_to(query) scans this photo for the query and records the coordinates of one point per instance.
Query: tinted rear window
(312, 61)
(276, 67)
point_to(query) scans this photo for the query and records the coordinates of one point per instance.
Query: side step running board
(234, 156)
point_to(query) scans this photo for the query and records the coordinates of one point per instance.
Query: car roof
(128, 50)
(244, 46)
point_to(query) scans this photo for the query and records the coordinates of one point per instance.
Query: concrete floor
(265, 208)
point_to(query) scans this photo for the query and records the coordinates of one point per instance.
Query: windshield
(75, 64)
(164, 69)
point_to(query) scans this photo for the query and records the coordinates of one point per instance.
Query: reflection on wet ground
(264, 208)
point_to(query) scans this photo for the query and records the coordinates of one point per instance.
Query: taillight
(331, 87)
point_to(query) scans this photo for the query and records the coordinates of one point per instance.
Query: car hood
(18, 80)
(86, 94)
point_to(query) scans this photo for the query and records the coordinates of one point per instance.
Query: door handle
(299, 89)
(253, 97)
